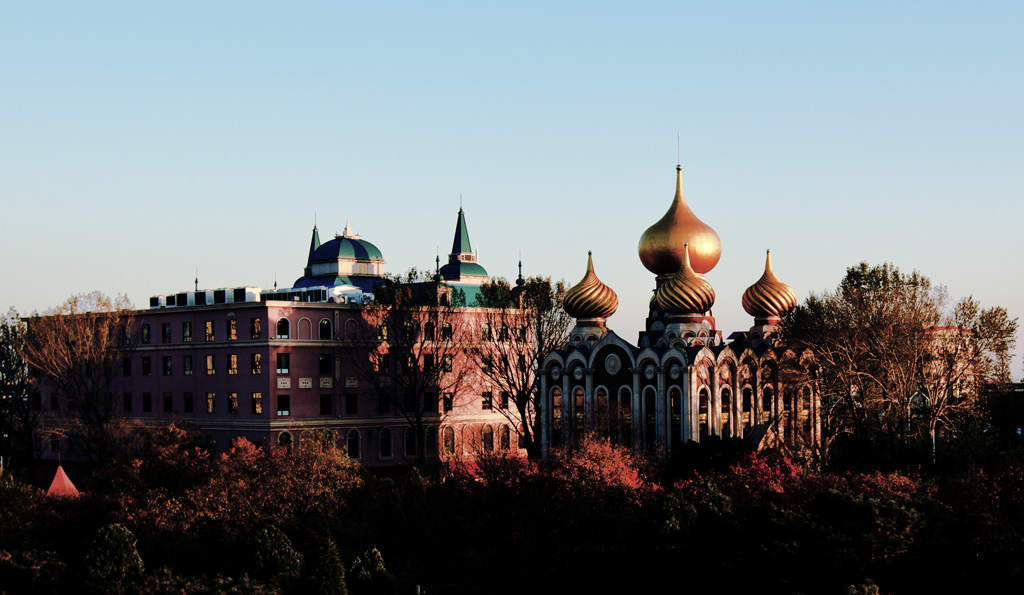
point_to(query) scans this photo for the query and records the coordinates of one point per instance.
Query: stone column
(634, 406)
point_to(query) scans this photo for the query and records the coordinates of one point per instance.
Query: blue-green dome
(454, 270)
(347, 247)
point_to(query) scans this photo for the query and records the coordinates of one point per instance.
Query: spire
(461, 244)
(314, 243)
(520, 281)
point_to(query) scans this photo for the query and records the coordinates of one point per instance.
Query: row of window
(409, 332)
(187, 364)
(209, 332)
(385, 441)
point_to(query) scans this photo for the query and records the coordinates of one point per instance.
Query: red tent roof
(61, 485)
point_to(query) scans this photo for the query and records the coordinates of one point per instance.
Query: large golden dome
(687, 292)
(590, 298)
(769, 297)
(661, 246)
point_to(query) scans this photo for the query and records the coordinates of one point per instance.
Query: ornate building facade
(275, 365)
(682, 380)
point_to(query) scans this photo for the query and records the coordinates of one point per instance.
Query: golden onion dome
(687, 292)
(590, 298)
(769, 297)
(661, 246)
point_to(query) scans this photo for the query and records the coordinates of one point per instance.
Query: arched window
(446, 331)
(766, 405)
(487, 438)
(283, 328)
(408, 331)
(386, 449)
(504, 333)
(675, 398)
(485, 332)
(726, 410)
(805, 414)
(428, 331)
(351, 330)
(626, 412)
(284, 439)
(702, 418)
(520, 333)
(748, 411)
(382, 331)
(556, 416)
(602, 411)
(410, 442)
(650, 418)
(578, 411)
(324, 331)
(352, 444)
(503, 437)
(448, 440)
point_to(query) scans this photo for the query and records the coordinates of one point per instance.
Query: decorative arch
(353, 441)
(283, 328)
(305, 329)
(351, 330)
(325, 330)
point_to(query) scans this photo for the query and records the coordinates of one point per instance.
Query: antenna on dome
(197, 279)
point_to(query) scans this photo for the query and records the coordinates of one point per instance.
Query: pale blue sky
(141, 141)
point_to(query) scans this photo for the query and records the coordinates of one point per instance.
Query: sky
(143, 142)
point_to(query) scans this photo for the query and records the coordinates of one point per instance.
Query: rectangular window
(447, 369)
(485, 401)
(145, 334)
(189, 405)
(147, 366)
(186, 365)
(284, 405)
(383, 403)
(147, 402)
(326, 404)
(232, 402)
(257, 403)
(282, 363)
(167, 365)
(383, 363)
(209, 330)
(210, 370)
(430, 402)
(168, 403)
(211, 403)
(165, 333)
(428, 363)
(448, 402)
(325, 363)
(200, 298)
(126, 366)
(126, 402)
(503, 403)
(186, 332)
(232, 364)
(219, 296)
(232, 330)
(256, 361)
(255, 332)
(239, 295)
(351, 404)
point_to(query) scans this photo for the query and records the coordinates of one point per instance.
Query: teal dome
(347, 247)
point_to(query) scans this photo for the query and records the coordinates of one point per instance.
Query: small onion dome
(769, 297)
(661, 246)
(590, 298)
(687, 292)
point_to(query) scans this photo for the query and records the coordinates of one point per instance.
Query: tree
(16, 418)
(417, 364)
(521, 326)
(887, 356)
(76, 352)
(112, 559)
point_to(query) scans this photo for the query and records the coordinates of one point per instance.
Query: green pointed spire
(314, 243)
(461, 244)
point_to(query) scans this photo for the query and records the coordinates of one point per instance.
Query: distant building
(681, 381)
(277, 365)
